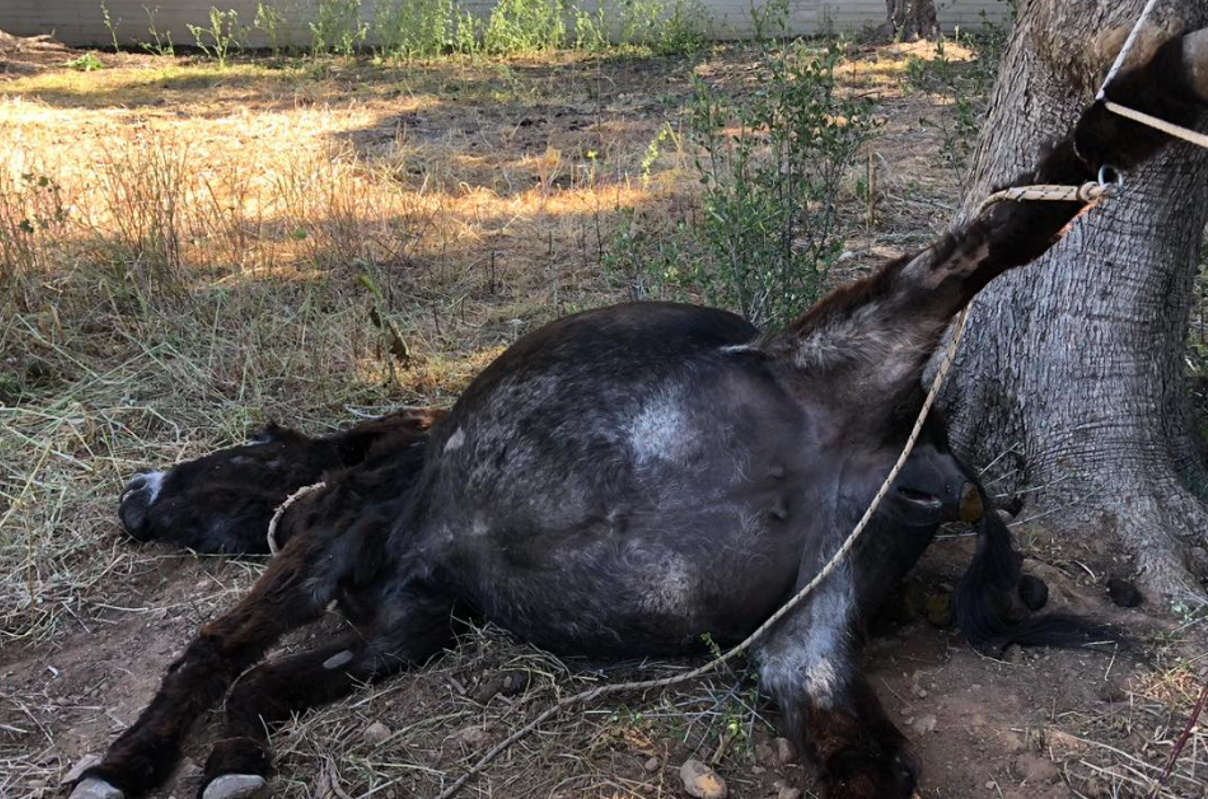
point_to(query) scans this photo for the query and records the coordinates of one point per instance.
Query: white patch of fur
(740, 348)
(455, 441)
(661, 431)
(809, 650)
(821, 682)
(152, 483)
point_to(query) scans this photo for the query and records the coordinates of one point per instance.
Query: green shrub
(414, 28)
(525, 26)
(768, 231)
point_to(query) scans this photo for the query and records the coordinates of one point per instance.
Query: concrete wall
(79, 22)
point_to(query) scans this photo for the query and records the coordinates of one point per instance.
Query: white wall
(79, 22)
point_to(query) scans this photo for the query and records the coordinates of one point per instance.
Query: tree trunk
(910, 20)
(1072, 371)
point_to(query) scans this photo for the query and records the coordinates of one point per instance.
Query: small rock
(919, 691)
(376, 733)
(764, 753)
(1013, 654)
(757, 770)
(702, 782)
(652, 765)
(991, 785)
(924, 724)
(83, 764)
(786, 752)
(789, 793)
(1035, 769)
(474, 737)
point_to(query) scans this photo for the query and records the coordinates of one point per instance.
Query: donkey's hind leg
(810, 666)
(417, 626)
(288, 595)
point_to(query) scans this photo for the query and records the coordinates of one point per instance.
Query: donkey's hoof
(234, 786)
(95, 788)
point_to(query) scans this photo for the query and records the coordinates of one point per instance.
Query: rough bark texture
(1074, 366)
(910, 20)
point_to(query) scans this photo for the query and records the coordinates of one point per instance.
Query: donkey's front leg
(809, 665)
(289, 594)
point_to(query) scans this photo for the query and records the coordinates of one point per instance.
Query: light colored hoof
(94, 788)
(235, 786)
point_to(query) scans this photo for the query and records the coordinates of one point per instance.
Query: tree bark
(910, 20)
(1071, 376)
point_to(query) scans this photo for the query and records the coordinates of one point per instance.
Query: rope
(1086, 193)
(271, 536)
(1128, 45)
(1168, 128)
(1179, 132)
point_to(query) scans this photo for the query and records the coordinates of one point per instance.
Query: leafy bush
(767, 231)
(414, 28)
(525, 26)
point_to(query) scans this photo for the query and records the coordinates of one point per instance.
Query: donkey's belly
(661, 585)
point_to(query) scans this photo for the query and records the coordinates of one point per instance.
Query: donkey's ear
(266, 435)
(273, 432)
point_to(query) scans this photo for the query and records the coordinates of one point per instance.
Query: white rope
(1179, 132)
(1086, 193)
(1128, 45)
(1168, 128)
(271, 536)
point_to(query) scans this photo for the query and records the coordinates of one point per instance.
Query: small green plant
(665, 27)
(770, 217)
(337, 28)
(85, 63)
(161, 43)
(111, 26)
(414, 28)
(221, 38)
(270, 22)
(525, 26)
(592, 29)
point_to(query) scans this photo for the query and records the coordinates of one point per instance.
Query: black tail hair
(985, 609)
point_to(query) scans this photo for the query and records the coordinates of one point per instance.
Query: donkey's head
(223, 502)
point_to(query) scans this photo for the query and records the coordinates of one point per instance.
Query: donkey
(626, 480)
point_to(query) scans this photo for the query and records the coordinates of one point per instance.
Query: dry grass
(187, 251)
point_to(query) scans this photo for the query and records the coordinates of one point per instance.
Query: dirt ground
(508, 176)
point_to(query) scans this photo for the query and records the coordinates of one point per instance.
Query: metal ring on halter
(1111, 179)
